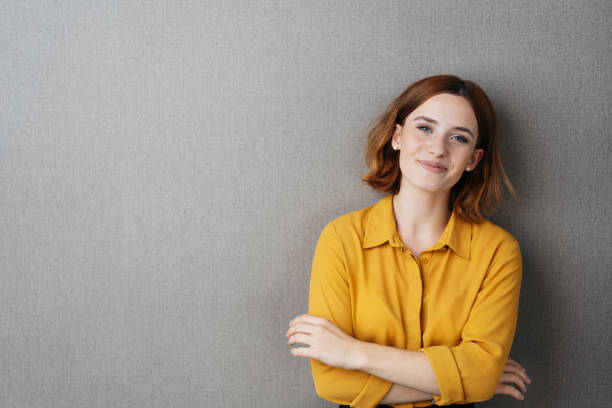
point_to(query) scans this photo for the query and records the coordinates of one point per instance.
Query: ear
(395, 140)
(475, 159)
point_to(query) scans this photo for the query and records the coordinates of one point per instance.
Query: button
(424, 261)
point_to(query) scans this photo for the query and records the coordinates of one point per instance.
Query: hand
(513, 373)
(327, 343)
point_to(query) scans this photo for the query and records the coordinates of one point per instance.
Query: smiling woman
(475, 193)
(414, 300)
(434, 153)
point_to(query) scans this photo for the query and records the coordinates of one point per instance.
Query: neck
(421, 213)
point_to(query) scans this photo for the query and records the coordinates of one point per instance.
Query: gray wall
(166, 168)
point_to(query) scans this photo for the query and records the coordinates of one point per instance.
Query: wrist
(357, 355)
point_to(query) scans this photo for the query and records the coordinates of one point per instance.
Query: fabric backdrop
(166, 168)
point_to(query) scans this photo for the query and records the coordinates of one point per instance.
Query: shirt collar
(381, 227)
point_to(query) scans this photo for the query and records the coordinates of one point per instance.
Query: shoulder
(496, 242)
(487, 233)
(349, 227)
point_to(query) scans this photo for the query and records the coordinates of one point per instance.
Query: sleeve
(329, 297)
(470, 371)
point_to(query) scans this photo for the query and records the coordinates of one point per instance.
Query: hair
(477, 191)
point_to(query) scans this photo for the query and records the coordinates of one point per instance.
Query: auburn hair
(477, 191)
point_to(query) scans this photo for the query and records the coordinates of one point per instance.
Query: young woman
(414, 300)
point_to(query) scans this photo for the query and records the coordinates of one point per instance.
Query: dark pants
(447, 406)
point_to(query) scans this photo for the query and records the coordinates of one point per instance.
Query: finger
(515, 363)
(509, 378)
(317, 324)
(518, 371)
(308, 318)
(509, 390)
(301, 351)
(510, 360)
(295, 318)
(300, 328)
(300, 338)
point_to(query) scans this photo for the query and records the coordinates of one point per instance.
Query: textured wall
(166, 168)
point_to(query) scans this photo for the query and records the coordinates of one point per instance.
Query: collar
(381, 227)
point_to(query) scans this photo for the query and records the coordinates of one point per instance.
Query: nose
(437, 146)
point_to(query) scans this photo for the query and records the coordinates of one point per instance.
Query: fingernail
(522, 397)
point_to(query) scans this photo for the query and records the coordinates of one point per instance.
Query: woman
(413, 301)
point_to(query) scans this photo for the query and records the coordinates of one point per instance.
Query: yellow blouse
(457, 302)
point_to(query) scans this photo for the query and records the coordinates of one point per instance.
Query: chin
(432, 188)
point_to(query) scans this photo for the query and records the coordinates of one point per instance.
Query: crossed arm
(346, 370)
(410, 371)
(512, 382)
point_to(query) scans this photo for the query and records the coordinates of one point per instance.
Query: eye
(461, 139)
(424, 128)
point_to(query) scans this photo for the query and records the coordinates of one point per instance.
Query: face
(437, 143)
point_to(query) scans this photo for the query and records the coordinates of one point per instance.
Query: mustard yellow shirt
(457, 302)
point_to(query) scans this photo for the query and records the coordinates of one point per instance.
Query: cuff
(447, 374)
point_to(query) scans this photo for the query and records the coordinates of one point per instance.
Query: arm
(514, 374)
(470, 371)
(407, 368)
(399, 394)
(329, 298)
(331, 346)
(487, 337)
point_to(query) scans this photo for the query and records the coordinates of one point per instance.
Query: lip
(433, 167)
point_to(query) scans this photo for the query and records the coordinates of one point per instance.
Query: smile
(431, 168)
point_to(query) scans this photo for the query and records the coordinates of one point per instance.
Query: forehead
(448, 110)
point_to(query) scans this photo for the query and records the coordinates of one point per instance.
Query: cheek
(462, 158)
(411, 147)
(412, 144)
(406, 156)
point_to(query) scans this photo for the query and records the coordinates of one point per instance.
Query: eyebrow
(430, 120)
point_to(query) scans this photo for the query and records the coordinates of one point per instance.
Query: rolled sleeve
(447, 373)
(470, 371)
(329, 297)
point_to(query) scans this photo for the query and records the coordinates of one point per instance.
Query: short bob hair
(477, 190)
